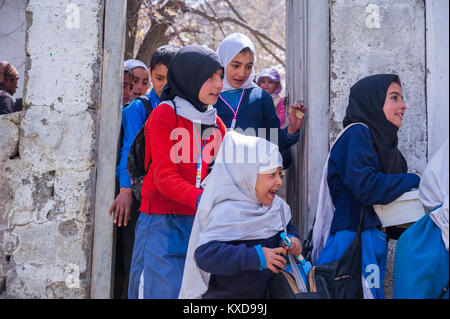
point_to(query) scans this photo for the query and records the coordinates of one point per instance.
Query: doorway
(309, 154)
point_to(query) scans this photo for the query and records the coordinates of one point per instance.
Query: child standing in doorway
(245, 106)
(134, 115)
(235, 242)
(270, 81)
(181, 137)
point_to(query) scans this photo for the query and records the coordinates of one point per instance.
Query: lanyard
(198, 176)
(233, 123)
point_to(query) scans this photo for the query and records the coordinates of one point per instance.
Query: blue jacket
(133, 118)
(235, 266)
(355, 178)
(256, 111)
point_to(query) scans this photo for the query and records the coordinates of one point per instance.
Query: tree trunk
(133, 7)
(153, 39)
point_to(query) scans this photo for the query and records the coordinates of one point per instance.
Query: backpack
(136, 156)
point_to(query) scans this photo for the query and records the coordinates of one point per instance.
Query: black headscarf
(188, 70)
(365, 105)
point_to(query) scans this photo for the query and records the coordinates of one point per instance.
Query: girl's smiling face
(210, 90)
(240, 68)
(394, 107)
(267, 185)
(268, 85)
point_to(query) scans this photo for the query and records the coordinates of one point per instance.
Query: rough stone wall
(381, 36)
(47, 157)
(12, 37)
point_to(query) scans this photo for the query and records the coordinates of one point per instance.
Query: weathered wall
(381, 36)
(437, 22)
(48, 187)
(12, 37)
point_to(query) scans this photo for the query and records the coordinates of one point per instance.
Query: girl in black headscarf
(180, 153)
(365, 168)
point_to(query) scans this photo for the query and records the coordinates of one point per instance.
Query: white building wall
(369, 37)
(12, 37)
(437, 55)
(49, 172)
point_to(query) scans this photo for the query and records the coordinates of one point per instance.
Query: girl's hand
(295, 248)
(121, 207)
(295, 123)
(274, 258)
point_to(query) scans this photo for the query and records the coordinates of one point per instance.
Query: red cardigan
(169, 186)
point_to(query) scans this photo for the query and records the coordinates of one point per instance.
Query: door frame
(307, 79)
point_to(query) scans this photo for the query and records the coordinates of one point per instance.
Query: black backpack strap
(147, 104)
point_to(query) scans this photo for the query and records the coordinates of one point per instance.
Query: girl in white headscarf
(141, 77)
(246, 107)
(235, 240)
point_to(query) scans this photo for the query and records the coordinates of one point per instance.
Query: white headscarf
(187, 110)
(433, 190)
(229, 209)
(132, 64)
(228, 49)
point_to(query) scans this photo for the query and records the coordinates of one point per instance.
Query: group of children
(209, 220)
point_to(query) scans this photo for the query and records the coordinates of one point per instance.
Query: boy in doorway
(127, 88)
(125, 206)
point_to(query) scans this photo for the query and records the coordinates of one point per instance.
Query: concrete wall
(382, 36)
(406, 37)
(48, 164)
(437, 16)
(12, 37)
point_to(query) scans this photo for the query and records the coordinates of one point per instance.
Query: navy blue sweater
(355, 179)
(235, 267)
(257, 111)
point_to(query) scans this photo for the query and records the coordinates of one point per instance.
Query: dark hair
(246, 50)
(128, 71)
(163, 55)
(397, 80)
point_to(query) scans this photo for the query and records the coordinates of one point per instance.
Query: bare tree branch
(133, 7)
(215, 15)
(263, 45)
(185, 9)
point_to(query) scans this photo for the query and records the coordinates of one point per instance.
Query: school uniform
(236, 267)
(354, 180)
(364, 168)
(249, 108)
(255, 111)
(225, 258)
(171, 190)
